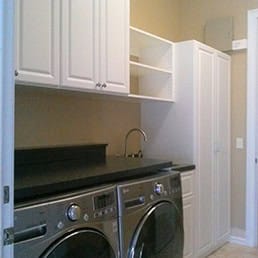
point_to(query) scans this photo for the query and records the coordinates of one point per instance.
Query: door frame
(6, 120)
(252, 104)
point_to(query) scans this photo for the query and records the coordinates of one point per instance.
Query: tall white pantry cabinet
(196, 129)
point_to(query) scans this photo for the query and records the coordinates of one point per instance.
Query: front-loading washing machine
(151, 217)
(78, 225)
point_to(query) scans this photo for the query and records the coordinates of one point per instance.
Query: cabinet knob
(16, 73)
(98, 84)
(104, 85)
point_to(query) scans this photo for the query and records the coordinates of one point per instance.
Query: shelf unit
(151, 66)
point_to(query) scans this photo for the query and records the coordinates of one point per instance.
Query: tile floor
(235, 251)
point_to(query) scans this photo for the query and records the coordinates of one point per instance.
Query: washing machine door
(81, 244)
(159, 234)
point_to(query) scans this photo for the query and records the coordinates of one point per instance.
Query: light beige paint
(179, 20)
(49, 117)
(194, 14)
(159, 17)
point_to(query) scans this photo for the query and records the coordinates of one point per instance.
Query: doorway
(252, 132)
(6, 127)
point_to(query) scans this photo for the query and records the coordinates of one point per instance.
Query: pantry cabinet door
(37, 41)
(79, 43)
(222, 151)
(204, 138)
(114, 45)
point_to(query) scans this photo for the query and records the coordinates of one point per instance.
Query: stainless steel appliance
(151, 217)
(83, 224)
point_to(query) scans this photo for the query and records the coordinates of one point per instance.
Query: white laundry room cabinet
(74, 44)
(37, 42)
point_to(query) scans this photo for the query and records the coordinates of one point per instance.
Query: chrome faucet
(129, 132)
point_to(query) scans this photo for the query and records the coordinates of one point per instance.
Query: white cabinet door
(94, 40)
(37, 41)
(79, 57)
(204, 148)
(187, 179)
(188, 227)
(222, 152)
(114, 45)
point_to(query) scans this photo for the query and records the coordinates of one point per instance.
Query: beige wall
(48, 117)
(179, 20)
(194, 14)
(159, 17)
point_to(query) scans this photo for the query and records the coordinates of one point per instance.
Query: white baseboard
(238, 240)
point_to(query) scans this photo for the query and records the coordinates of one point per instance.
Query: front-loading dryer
(151, 217)
(78, 225)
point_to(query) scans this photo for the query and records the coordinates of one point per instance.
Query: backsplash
(46, 117)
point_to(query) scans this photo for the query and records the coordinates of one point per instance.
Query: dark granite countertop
(46, 171)
(180, 168)
(41, 179)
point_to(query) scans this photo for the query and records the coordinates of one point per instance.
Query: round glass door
(81, 244)
(160, 234)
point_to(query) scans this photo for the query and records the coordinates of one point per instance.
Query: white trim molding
(238, 240)
(238, 236)
(6, 120)
(251, 195)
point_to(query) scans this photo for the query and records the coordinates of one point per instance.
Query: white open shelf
(138, 69)
(148, 98)
(150, 50)
(151, 66)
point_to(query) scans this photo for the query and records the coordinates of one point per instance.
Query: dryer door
(159, 234)
(81, 244)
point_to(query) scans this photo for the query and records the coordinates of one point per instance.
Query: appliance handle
(30, 233)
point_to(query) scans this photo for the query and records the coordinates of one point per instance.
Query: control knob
(74, 212)
(159, 188)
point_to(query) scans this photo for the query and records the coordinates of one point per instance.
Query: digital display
(104, 200)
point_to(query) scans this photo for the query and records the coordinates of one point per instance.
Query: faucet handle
(135, 155)
(140, 155)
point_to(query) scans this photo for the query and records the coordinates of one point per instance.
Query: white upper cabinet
(95, 45)
(37, 41)
(151, 66)
(79, 52)
(114, 45)
(87, 39)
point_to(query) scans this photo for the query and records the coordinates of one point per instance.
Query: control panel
(61, 212)
(175, 184)
(104, 204)
(137, 193)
